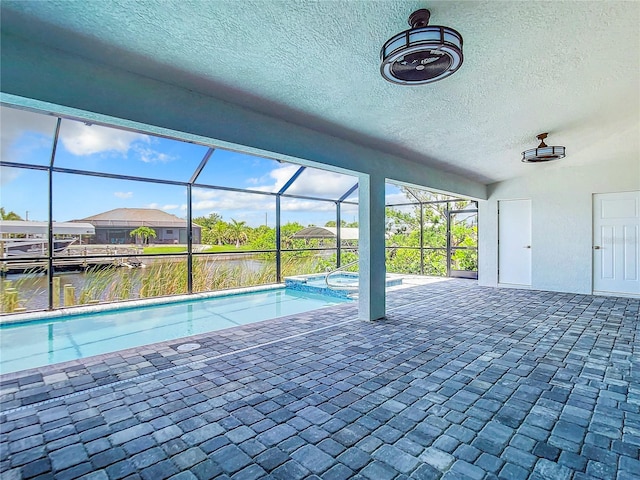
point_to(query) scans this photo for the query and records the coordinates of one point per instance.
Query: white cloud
(8, 175)
(312, 182)
(81, 139)
(16, 123)
(123, 194)
(302, 205)
(148, 155)
(157, 206)
(397, 198)
(207, 201)
(203, 194)
(218, 201)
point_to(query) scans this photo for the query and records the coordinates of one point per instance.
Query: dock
(76, 258)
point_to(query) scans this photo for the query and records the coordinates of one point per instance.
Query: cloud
(399, 197)
(219, 200)
(81, 139)
(312, 182)
(302, 205)
(78, 138)
(8, 175)
(157, 206)
(123, 194)
(17, 123)
(148, 155)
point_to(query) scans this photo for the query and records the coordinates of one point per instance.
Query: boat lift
(25, 238)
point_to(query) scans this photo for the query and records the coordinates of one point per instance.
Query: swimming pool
(58, 339)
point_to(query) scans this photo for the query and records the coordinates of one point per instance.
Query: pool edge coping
(11, 318)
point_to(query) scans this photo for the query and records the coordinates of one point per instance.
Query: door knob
(527, 246)
(596, 247)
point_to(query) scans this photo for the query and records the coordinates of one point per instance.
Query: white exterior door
(514, 242)
(616, 243)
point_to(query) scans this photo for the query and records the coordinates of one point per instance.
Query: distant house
(115, 226)
(348, 235)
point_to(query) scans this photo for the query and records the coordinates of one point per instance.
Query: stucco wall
(561, 220)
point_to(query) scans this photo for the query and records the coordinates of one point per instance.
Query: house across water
(115, 226)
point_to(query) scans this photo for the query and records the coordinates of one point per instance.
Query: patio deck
(459, 382)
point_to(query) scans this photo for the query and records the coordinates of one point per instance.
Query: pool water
(54, 340)
(341, 280)
(342, 285)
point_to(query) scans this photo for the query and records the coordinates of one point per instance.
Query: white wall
(561, 223)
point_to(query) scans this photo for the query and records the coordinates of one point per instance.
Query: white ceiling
(566, 67)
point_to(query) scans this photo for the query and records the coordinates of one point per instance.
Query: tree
(208, 221)
(219, 234)
(403, 230)
(143, 233)
(399, 222)
(332, 223)
(287, 232)
(4, 215)
(264, 238)
(237, 232)
(343, 223)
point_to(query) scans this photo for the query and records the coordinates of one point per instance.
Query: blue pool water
(343, 284)
(53, 340)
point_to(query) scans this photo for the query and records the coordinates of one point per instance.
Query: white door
(616, 222)
(514, 242)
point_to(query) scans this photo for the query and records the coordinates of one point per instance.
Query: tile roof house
(115, 226)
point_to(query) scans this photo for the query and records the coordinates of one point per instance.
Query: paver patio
(459, 382)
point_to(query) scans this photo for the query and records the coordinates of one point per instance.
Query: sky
(27, 137)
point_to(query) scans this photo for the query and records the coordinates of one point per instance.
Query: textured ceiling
(570, 68)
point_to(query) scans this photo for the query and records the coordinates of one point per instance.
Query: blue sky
(27, 138)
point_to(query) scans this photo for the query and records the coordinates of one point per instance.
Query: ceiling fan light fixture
(423, 54)
(543, 153)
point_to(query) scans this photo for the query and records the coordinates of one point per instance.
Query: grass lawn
(165, 249)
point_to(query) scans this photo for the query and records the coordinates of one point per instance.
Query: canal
(157, 277)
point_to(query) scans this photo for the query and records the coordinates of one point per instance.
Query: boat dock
(77, 258)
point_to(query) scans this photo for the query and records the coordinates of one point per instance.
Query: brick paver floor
(459, 382)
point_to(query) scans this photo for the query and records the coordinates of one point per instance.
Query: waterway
(33, 288)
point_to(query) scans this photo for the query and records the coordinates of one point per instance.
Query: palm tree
(217, 234)
(144, 233)
(237, 232)
(4, 215)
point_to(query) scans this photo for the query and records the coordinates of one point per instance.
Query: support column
(371, 243)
